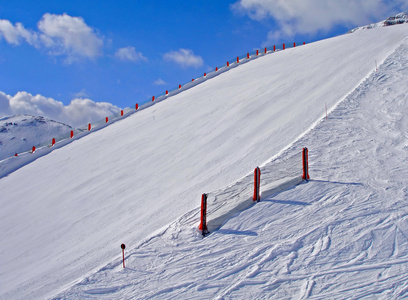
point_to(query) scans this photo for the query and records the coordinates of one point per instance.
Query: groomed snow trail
(65, 215)
(343, 235)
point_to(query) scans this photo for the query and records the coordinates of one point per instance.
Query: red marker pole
(257, 180)
(305, 159)
(203, 223)
(123, 253)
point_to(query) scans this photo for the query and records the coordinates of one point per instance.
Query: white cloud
(313, 16)
(60, 34)
(70, 36)
(15, 34)
(83, 111)
(185, 58)
(78, 113)
(160, 82)
(81, 94)
(129, 54)
(4, 105)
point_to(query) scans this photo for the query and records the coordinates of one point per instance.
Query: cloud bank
(313, 16)
(78, 113)
(65, 36)
(185, 58)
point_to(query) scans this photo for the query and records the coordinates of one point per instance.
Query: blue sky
(124, 52)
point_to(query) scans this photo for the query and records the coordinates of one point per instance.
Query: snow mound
(400, 18)
(21, 132)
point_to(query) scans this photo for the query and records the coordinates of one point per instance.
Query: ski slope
(65, 215)
(342, 235)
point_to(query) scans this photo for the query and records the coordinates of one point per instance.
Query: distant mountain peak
(399, 18)
(20, 132)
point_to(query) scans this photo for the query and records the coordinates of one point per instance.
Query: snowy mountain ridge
(21, 132)
(399, 18)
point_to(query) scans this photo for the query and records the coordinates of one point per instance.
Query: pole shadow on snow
(336, 182)
(237, 232)
(290, 202)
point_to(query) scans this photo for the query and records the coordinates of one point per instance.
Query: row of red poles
(216, 69)
(72, 132)
(257, 196)
(167, 92)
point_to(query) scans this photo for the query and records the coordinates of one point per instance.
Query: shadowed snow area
(65, 215)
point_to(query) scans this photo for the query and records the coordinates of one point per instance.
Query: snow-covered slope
(20, 133)
(400, 18)
(65, 215)
(342, 235)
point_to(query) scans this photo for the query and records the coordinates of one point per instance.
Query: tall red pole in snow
(305, 160)
(257, 180)
(203, 223)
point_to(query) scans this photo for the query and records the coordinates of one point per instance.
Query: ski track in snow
(342, 235)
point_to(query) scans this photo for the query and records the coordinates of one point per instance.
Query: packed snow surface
(343, 234)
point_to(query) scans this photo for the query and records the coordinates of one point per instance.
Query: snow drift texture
(65, 215)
